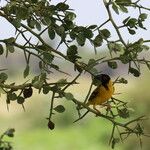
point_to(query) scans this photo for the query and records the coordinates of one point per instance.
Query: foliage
(5, 145)
(37, 17)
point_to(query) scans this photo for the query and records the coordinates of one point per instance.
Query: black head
(103, 78)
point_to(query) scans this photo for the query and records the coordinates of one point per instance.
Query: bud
(51, 125)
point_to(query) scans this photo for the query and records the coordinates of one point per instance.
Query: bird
(102, 93)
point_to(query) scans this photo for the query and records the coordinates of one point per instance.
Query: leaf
(61, 82)
(10, 40)
(72, 50)
(27, 92)
(92, 27)
(1, 49)
(62, 6)
(72, 53)
(46, 89)
(134, 71)
(51, 125)
(10, 132)
(115, 7)
(59, 108)
(16, 23)
(20, 100)
(126, 20)
(11, 96)
(105, 33)
(98, 40)
(88, 33)
(69, 16)
(69, 96)
(51, 33)
(132, 22)
(26, 71)
(31, 23)
(38, 26)
(60, 30)
(81, 39)
(10, 48)
(143, 16)
(112, 64)
(48, 57)
(123, 9)
(3, 77)
(131, 31)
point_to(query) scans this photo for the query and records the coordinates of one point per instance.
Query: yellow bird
(102, 93)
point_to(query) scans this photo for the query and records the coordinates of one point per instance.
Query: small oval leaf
(59, 108)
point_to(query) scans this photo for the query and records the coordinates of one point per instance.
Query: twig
(82, 116)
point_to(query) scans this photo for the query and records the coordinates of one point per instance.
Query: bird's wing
(94, 94)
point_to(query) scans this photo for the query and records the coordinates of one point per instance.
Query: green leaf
(134, 71)
(88, 33)
(69, 96)
(131, 31)
(47, 20)
(81, 39)
(27, 92)
(26, 71)
(72, 53)
(62, 6)
(20, 100)
(48, 57)
(91, 27)
(123, 9)
(98, 40)
(51, 33)
(125, 20)
(16, 23)
(1, 49)
(38, 25)
(46, 89)
(11, 96)
(22, 13)
(60, 30)
(34, 1)
(125, 59)
(72, 50)
(10, 132)
(115, 7)
(3, 77)
(105, 33)
(115, 47)
(132, 22)
(123, 2)
(31, 23)
(51, 125)
(10, 40)
(143, 16)
(112, 64)
(69, 16)
(61, 82)
(59, 108)
(10, 48)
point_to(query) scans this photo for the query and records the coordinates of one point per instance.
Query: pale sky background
(88, 12)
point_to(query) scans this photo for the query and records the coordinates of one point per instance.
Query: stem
(51, 106)
(113, 23)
